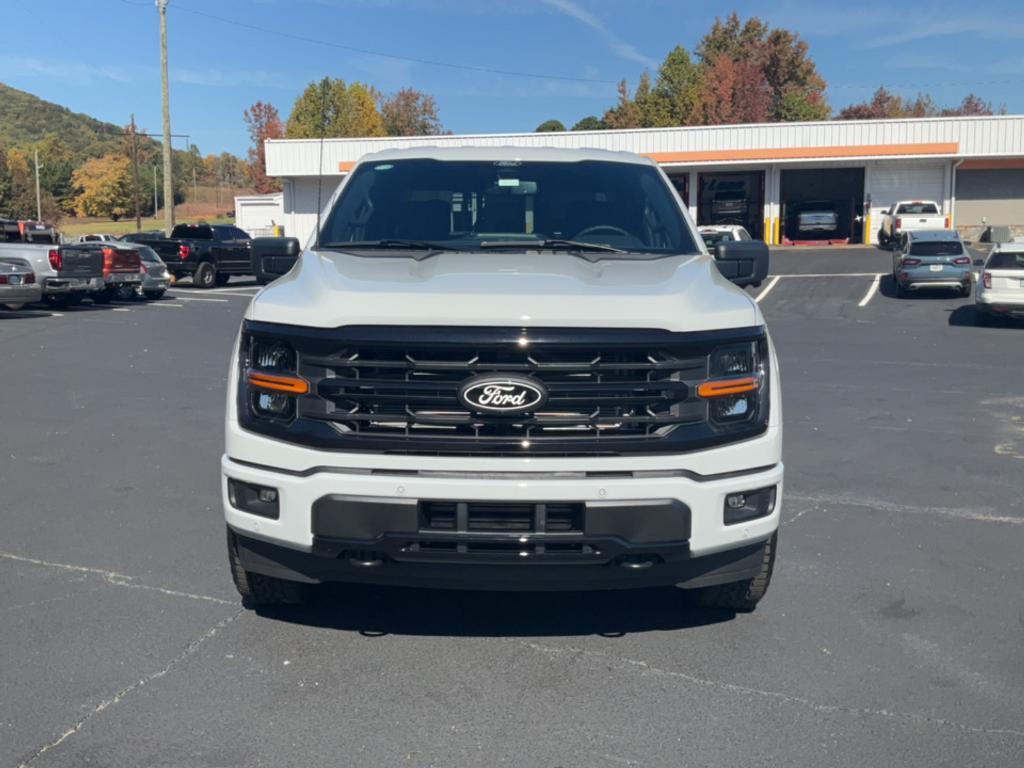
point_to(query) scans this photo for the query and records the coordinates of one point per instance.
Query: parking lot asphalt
(893, 633)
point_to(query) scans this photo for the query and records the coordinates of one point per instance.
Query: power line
(367, 51)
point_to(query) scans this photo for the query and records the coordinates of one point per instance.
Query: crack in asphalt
(628, 663)
(190, 649)
(114, 578)
(888, 506)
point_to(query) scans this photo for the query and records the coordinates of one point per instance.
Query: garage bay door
(891, 182)
(995, 195)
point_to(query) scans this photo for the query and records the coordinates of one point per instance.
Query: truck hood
(330, 289)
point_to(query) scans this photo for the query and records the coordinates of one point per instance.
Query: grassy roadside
(73, 228)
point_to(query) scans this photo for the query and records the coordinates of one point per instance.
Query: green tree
(550, 126)
(678, 88)
(625, 114)
(104, 187)
(589, 123)
(336, 110)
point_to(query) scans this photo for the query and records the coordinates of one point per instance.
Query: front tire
(257, 589)
(154, 295)
(205, 275)
(743, 596)
(965, 291)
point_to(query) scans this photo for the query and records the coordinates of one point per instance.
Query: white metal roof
(941, 137)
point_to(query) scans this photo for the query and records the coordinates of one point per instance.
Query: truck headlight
(270, 376)
(735, 383)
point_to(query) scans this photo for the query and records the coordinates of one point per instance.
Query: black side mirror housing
(744, 262)
(273, 257)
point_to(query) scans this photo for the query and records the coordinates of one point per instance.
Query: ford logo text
(502, 394)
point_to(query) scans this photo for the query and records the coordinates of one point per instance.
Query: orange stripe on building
(345, 166)
(809, 153)
(982, 164)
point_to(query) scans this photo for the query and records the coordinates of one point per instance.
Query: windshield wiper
(556, 244)
(432, 249)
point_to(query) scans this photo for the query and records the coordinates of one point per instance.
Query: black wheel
(56, 300)
(103, 297)
(883, 239)
(257, 589)
(154, 295)
(205, 275)
(901, 292)
(743, 596)
(126, 292)
(965, 290)
(222, 279)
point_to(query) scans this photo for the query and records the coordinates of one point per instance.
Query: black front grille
(412, 392)
(501, 517)
(610, 391)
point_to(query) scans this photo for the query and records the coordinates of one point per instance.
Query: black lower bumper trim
(637, 567)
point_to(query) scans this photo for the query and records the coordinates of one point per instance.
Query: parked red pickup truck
(122, 266)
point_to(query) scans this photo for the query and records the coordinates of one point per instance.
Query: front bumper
(638, 529)
(20, 294)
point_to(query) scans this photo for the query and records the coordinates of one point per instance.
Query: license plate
(14, 280)
(132, 278)
(935, 267)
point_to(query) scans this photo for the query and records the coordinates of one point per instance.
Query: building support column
(692, 202)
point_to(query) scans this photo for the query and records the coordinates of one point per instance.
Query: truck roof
(525, 154)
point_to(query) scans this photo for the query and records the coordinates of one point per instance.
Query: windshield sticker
(508, 182)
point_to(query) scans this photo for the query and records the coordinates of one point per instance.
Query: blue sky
(101, 56)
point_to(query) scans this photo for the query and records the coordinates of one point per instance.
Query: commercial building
(760, 176)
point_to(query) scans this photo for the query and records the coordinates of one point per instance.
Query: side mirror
(273, 257)
(744, 262)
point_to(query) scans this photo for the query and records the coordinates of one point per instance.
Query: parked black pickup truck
(208, 253)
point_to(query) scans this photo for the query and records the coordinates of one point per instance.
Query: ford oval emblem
(502, 394)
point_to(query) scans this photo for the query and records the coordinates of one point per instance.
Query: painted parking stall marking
(871, 291)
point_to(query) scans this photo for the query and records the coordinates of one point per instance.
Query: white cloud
(216, 78)
(615, 44)
(984, 26)
(68, 71)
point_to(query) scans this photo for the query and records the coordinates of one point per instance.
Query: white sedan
(1000, 291)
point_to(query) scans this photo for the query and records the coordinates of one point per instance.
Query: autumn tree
(550, 126)
(333, 109)
(264, 123)
(104, 187)
(886, 105)
(625, 114)
(409, 112)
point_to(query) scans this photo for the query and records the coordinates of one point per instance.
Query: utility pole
(39, 200)
(156, 200)
(168, 181)
(133, 148)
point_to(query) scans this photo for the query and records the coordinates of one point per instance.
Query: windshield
(462, 205)
(1006, 260)
(918, 208)
(936, 248)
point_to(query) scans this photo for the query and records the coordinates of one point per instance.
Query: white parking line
(827, 274)
(196, 298)
(162, 304)
(121, 309)
(772, 283)
(226, 289)
(872, 290)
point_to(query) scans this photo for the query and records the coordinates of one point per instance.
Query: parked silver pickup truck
(66, 274)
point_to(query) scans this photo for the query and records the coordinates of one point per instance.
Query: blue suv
(932, 259)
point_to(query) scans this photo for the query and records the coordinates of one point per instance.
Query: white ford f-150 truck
(909, 216)
(506, 368)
